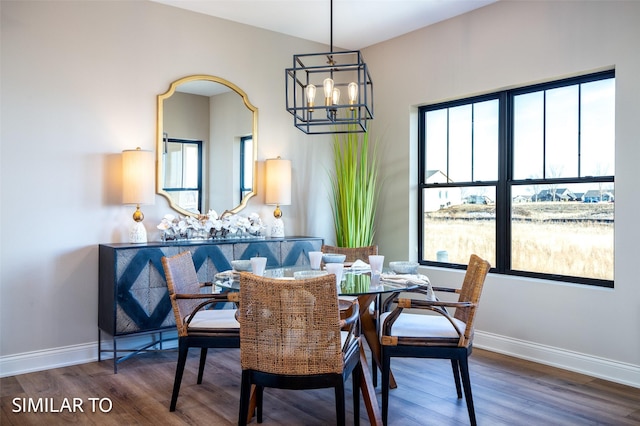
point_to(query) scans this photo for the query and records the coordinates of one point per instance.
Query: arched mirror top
(206, 146)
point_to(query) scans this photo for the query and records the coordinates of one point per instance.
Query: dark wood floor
(507, 391)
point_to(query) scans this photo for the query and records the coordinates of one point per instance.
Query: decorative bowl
(241, 265)
(303, 275)
(404, 267)
(333, 258)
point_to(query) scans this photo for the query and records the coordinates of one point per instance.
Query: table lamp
(138, 173)
(278, 190)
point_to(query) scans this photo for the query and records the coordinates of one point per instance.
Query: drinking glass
(258, 264)
(315, 257)
(376, 262)
(336, 269)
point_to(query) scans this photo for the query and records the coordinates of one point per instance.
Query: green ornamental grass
(355, 190)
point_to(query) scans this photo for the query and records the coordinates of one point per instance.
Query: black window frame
(198, 189)
(505, 181)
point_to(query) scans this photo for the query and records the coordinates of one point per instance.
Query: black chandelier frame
(343, 67)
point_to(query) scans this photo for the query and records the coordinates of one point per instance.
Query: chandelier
(343, 85)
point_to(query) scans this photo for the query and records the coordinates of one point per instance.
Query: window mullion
(448, 150)
(544, 134)
(472, 142)
(579, 129)
(503, 206)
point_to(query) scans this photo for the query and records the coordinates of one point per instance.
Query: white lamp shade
(138, 177)
(278, 182)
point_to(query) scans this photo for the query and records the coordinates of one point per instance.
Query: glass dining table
(355, 283)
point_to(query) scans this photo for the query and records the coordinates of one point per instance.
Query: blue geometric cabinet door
(268, 249)
(296, 252)
(141, 298)
(211, 259)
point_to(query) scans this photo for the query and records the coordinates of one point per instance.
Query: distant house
(521, 199)
(477, 199)
(596, 196)
(436, 176)
(559, 194)
(436, 199)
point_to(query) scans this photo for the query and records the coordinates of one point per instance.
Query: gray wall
(503, 45)
(79, 85)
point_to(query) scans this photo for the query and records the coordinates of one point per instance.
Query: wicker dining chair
(292, 337)
(444, 336)
(197, 327)
(352, 253)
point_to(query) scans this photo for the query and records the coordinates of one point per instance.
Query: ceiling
(356, 23)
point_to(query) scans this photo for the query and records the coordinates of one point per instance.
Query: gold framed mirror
(207, 145)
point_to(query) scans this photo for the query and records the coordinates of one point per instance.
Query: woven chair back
(182, 278)
(289, 327)
(352, 253)
(470, 292)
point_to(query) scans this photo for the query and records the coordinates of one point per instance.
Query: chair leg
(340, 409)
(259, 401)
(386, 369)
(245, 396)
(356, 376)
(183, 350)
(466, 384)
(455, 366)
(374, 372)
(374, 367)
(203, 360)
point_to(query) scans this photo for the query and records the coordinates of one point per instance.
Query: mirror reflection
(183, 173)
(206, 146)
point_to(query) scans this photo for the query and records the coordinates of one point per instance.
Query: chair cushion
(418, 325)
(214, 318)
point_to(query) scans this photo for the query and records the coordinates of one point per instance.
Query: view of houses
(565, 194)
(440, 198)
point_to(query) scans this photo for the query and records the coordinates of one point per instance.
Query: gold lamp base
(137, 215)
(277, 229)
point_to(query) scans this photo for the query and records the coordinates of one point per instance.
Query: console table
(133, 299)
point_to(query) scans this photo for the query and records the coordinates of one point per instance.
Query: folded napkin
(418, 279)
(227, 275)
(359, 264)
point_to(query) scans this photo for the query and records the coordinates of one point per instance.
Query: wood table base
(370, 333)
(369, 392)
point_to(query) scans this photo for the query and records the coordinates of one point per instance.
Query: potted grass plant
(354, 189)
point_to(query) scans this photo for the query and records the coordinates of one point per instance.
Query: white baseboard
(28, 362)
(614, 371)
(47, 359)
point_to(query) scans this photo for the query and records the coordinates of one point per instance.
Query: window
(183, 173)
(246, 165)
(523, 178)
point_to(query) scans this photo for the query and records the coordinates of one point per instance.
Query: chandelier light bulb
(311, 96)
(328, 90)
(353, 92)
(336, 96)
